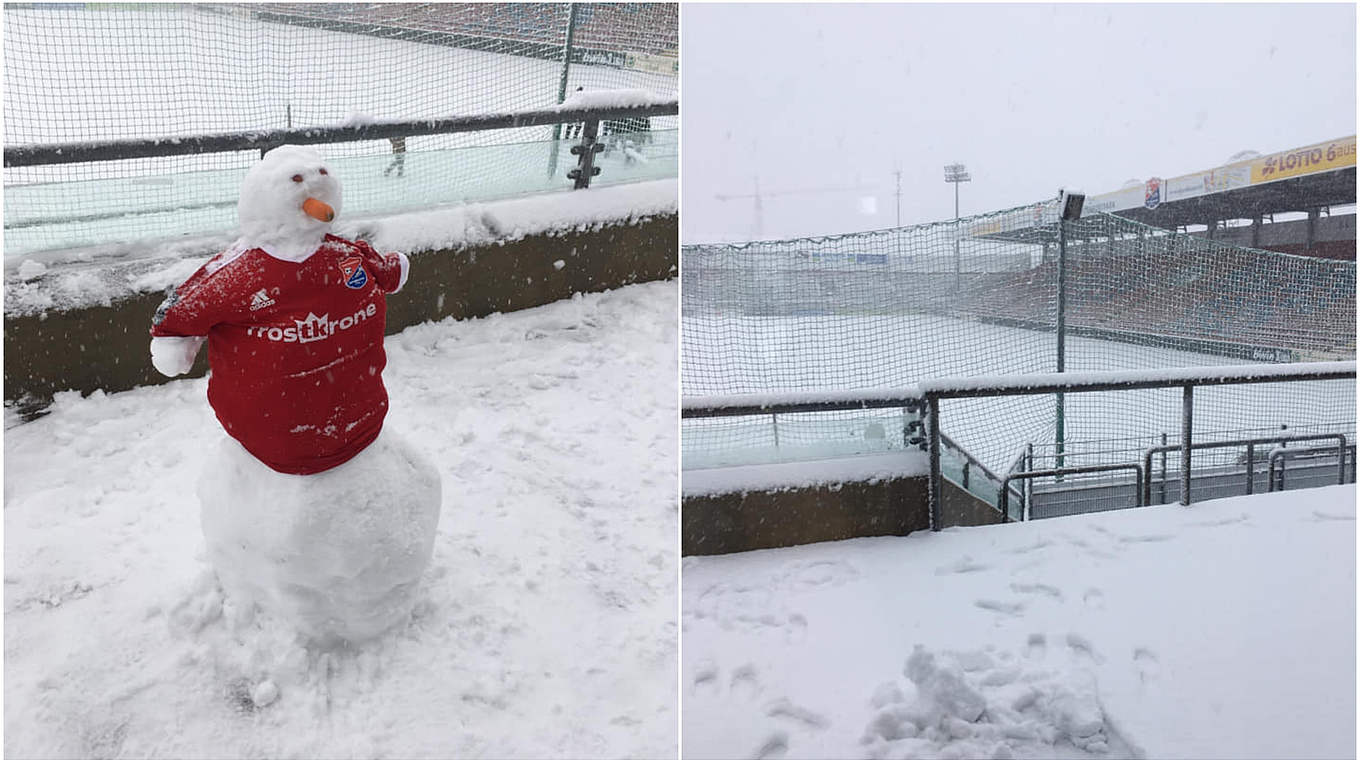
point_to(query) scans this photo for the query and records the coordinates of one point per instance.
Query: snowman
(311, 509)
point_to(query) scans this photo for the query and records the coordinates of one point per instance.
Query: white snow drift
(1221, 630)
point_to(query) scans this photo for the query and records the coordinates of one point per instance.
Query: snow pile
(620, 98)
(544, 626)
(1225, 629)
(989, 704)
(337, 554)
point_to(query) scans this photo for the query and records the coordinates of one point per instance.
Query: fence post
(1059, 425)
(934, 487)
(1161, 483)
(1187, 412)
(1251, 468)
(562, 87)
(1029, 465)
(586, 168)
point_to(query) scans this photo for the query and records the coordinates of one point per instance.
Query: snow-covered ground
(1226, 629)
(548, 625)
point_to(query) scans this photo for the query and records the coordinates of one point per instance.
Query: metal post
(958, 264)
(1029, 482)
(899, 197)
(562, 87)
(1162, 485)
(1251, 468)
(1060, 422)
(1187, 412)
(774, 422)
(589, 146)
(288, 114)
(934, 412)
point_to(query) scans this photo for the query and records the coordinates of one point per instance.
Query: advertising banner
(1322, 157)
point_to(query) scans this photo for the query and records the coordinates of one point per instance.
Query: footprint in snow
(1036, 646)
(1005, 608)
(1037, 588)
(964, 564)
(776, 746)
(1319, 516)
(1147, 663)
(1080, 647)
(783, 708)
(1094, 598)
(1146, 539)
(705, 678)
(745, 683)
(1224, 521)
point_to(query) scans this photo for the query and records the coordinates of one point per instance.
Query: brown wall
(743, 521)
(106, 347)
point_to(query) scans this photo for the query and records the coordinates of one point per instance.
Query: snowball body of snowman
(311, 509)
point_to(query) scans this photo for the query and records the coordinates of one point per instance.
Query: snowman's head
(288, 201)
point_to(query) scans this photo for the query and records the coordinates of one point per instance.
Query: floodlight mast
(954, 174)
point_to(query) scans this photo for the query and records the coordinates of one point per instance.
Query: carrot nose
(318, 210)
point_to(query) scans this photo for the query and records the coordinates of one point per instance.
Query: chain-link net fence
(98, 72)
(980, 298)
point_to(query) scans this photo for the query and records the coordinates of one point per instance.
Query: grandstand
(1238, 202)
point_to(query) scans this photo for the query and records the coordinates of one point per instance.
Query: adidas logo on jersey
(260, 300)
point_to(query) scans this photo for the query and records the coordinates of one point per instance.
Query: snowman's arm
(190, 311)
(173, 355)
(390, 269)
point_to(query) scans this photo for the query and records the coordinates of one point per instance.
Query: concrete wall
(747, 520)
(106, 347)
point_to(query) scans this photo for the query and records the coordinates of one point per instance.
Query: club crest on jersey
(354, 275)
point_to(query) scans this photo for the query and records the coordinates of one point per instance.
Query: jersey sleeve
(207, 298)
(389, 269)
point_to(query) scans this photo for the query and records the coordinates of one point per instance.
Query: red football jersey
(296, 348)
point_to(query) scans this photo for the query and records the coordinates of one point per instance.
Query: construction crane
(758, 196)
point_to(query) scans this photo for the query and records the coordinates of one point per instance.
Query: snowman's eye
(297, 177)
(323, 172)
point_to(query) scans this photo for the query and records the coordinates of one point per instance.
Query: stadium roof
(1294, 180)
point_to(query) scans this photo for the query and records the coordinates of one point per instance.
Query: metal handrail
(1004, 504)
(1248, 442)
(969, 461)
(1282, 454)
(114, 150)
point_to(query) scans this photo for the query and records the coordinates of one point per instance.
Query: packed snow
(337, 555)
(1221, 630)
(544, 626)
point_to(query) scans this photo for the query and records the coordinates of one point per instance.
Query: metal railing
(1250, 444)
(1003, 502)
(263, 140)
(1280, 456)
(932, 392)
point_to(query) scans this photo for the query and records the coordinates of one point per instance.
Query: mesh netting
(119, 71)
(979, 298)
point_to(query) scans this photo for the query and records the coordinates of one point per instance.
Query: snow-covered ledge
(764, 506)
(81, 322)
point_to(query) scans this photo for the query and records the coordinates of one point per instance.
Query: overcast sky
(1031, 98)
